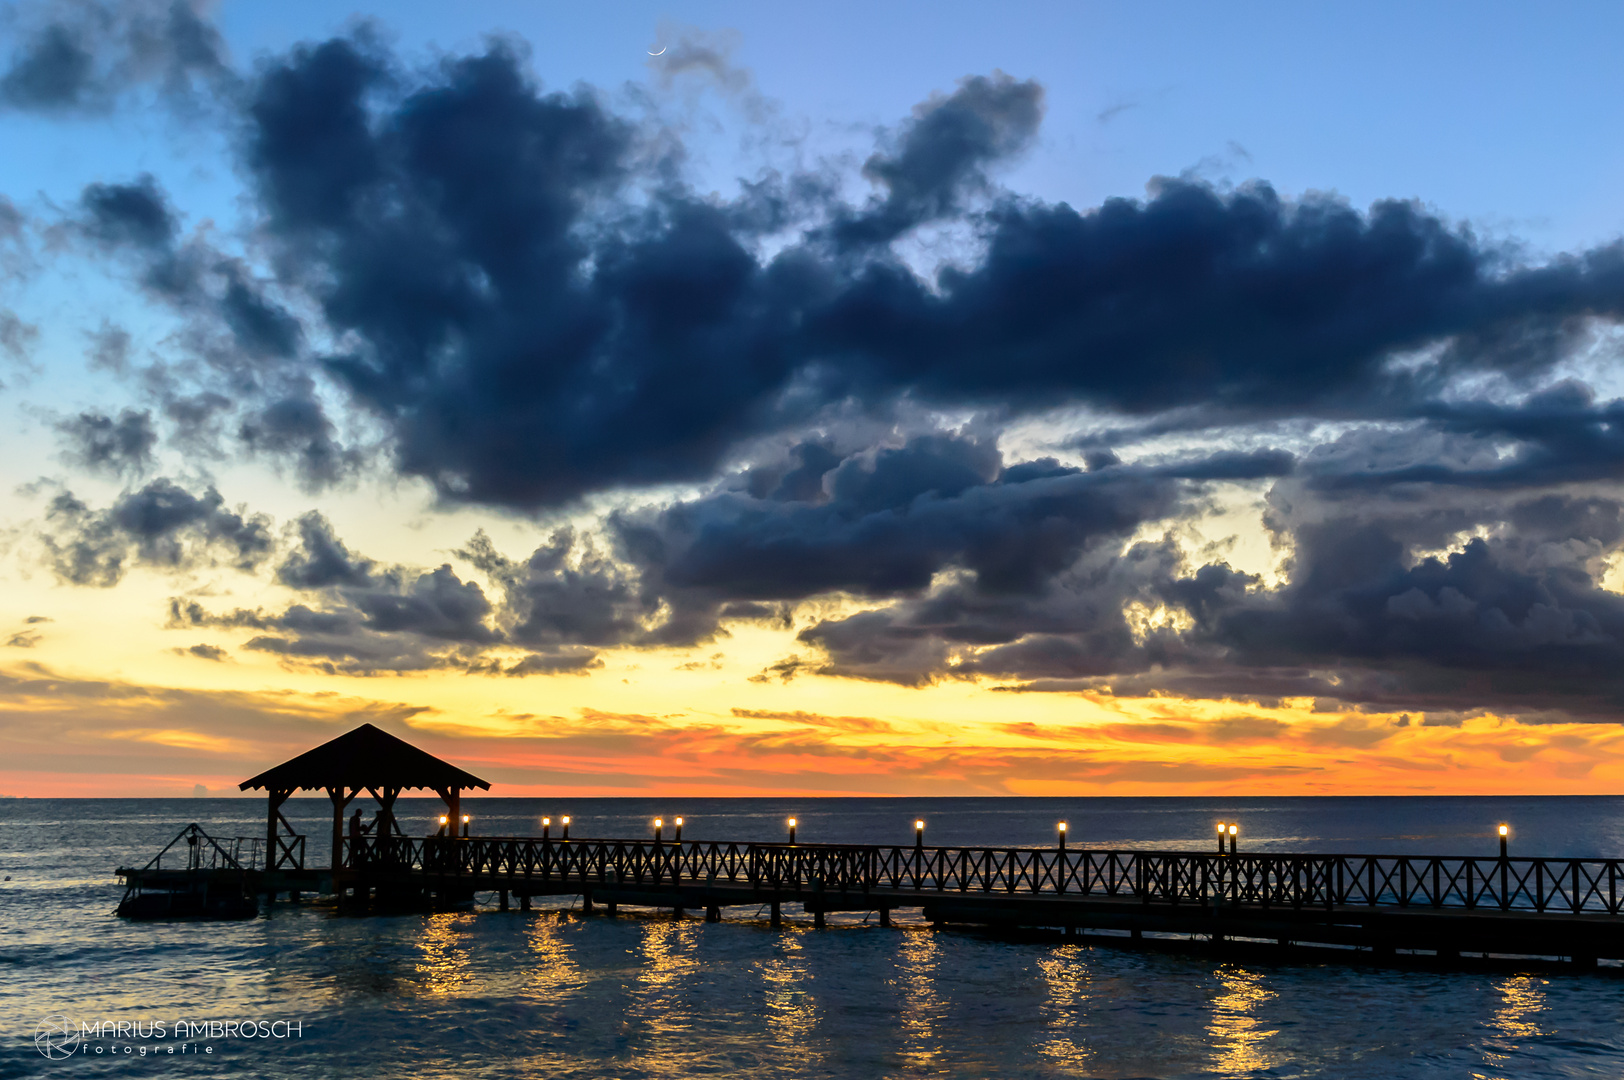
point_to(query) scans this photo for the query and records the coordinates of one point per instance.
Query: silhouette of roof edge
(366, 756)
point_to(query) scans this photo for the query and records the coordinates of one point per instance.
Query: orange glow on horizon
(69, 738)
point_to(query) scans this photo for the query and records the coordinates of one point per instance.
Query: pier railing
(1202, 878)
(198, 851)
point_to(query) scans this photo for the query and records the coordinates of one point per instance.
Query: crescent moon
(660, 53)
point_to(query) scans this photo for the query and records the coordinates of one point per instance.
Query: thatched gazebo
(365, 759)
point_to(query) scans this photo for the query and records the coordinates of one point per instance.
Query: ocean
(485, 993)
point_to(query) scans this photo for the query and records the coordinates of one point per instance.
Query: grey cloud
(82, 55)
(98, 443)
(161, 525)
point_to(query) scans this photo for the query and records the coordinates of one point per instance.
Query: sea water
(302, 991)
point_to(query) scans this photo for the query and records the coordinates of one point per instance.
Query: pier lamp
(1221, 827)
(565, 821)
(1505, 831)
(444, 821)
(1234, 831)
(659, 823)
(465, 820)
(792, 830)
(546, 827)
(1062, 828)
(678, 823)
(919, 833)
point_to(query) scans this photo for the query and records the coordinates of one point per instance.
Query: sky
(1064, 399)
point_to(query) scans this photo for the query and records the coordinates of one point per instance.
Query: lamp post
(678, 824)
(1234, 831)
(1505, 832)
(444, 821)
(1062, 831)
(659, 823)
(919, 833)
(792, 830)
(546, 827)
(1221, 827)
(566, 823)
(465, 820)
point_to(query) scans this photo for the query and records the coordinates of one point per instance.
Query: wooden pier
(1385, 908)
(1445, 906)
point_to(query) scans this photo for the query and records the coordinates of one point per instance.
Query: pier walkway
(1443, 905)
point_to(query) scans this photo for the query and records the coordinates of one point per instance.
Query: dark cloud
(1239, 301)
(895, 518)
(517, 292)
(942, 154)
(1514, 621)
(363, 618)
(206, 652)
(321, 560)
(160, 525)
(295, 429)
(82, 55)
(560, 662)
(189, 275)
(98, 443)
(538, 309)
(568, 592)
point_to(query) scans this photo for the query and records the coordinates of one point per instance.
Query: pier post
(524, 902)
(586, 902)
(885, 916)
(504, 901)
(777, 916)
(713, 913)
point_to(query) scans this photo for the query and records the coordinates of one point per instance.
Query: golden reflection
(1522, 999)
(1240, 1043)
(668, 964)
(792, 1010)
(1064, 973)
(443, 965)
(922, 1007)
(555, 976)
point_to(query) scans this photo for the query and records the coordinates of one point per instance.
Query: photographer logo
(57, 1037)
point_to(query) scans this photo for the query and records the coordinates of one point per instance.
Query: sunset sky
(902, 399)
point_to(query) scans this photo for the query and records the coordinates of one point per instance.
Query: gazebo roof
(365, 757)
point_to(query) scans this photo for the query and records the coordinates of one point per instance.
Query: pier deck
(1384, 904)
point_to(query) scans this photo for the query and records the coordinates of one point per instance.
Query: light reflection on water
(442, 966)
(791, 1004)
(647, 997)
(1240, 1039)
(922, 1005)
(1515, 1023)
(1066, 976)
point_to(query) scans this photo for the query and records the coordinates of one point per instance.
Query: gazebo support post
(273, 826)
(340, 801)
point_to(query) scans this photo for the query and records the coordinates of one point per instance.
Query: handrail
(205, 852)
(1573, 886)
